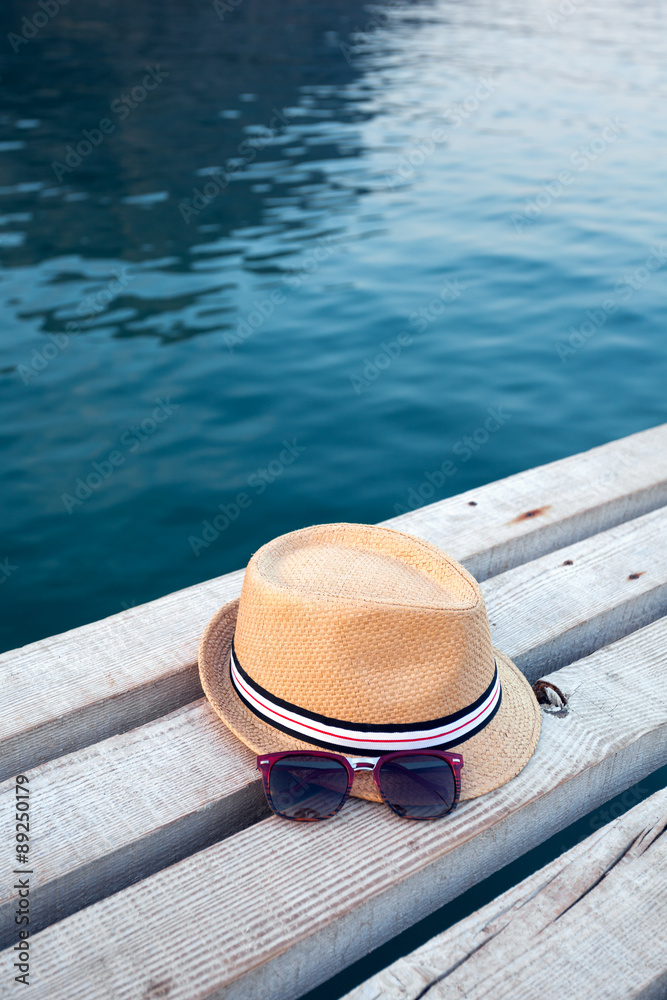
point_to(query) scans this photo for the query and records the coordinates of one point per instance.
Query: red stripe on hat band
(296, 723)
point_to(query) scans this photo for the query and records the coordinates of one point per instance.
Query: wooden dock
(156, 871)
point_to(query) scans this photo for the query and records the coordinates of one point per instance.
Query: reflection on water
(338, 234)
(158, 133)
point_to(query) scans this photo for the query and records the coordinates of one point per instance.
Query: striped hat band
(369, 740)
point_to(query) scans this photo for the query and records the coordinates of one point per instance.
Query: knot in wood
(548, 694)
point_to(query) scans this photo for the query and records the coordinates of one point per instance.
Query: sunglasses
(309, 785)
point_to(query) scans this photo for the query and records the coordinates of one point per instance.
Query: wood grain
(565, 605)
(84, 856)
(71, 690)
(109, 815)
(589, 924)
(74, 689)
(278, 908)
(514, 520)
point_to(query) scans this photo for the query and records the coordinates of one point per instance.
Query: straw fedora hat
(364, 640)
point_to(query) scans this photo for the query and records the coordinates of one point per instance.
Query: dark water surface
(296, 252)
(367, 179)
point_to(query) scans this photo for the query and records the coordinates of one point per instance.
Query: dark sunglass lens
(419, 787)
(307, 787)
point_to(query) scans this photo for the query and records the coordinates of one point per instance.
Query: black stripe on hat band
(311, 728)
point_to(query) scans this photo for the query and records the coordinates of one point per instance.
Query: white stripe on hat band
(317, 732)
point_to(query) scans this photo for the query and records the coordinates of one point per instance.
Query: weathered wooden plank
(112, 813)
(514, 520)
(73, 689)
(80, 863)
(564, 605)
(282, 907)
(589, 924)
(66, 692)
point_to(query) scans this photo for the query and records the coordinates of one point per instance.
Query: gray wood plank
(564, 605)
(277, 908)
(544, 615)
(71, 690)
(514, 520)
(109, 815)
(589, 924)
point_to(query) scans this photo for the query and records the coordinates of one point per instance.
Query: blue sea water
(351, 229)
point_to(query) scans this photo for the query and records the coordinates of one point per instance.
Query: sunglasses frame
(265, 762)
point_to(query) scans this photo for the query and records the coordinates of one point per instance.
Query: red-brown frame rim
(265, 762)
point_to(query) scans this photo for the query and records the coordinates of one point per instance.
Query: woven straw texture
(367, 625)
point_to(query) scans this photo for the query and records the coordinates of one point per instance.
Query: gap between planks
(66, 692)
(589, 924)
(564, 612)
(282, 907)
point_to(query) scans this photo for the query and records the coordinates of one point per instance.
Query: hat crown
(363, 624)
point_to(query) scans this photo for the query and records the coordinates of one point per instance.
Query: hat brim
(490, 759)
